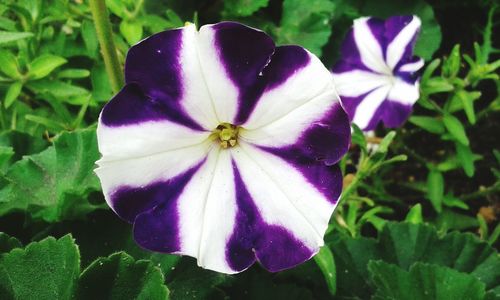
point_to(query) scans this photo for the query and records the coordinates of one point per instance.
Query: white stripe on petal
(141, 171)
(124, 142)
(369, 105)
(369, 48)
(404, 92)
(223, 92)
(287, 129)
(356, 83)
(196, 97)
(207, 212)
(282, 195)
(310, 81)
(398, 45)
(412, 67)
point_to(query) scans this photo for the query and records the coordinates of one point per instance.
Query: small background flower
(375, 76)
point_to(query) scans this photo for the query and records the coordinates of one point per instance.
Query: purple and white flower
(223, 147)
(375, 77)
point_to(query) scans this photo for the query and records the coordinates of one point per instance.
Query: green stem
(481, 193)
(105, 37)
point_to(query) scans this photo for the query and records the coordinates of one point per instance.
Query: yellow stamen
(227, 135)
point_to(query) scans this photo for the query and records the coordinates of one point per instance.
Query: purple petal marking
(409, 77)
(131, 106)
(393, 114)
(129, 202)
(154, 65)
(351, 58)
(273, 246)
(326, 140)
(285, 62)
(244, 52)
(393, 26)
(326, 179)
(153, 85)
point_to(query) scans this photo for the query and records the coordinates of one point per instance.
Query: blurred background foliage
(418, 218)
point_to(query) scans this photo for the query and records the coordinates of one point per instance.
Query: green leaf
(455, 127)
(430, 33)
(451, 65)
(191, 282)
(467, 100)
(131, 30)
(44, 65)
(59, 89)
(430, 124)
(47, 269)
(404, 244)
(414, 216)
(89, 36)
(13, 92)
(8, 64)
(243, 8)
(466, 158)
(326, 264)
(423, 281)
(120, 277)
(53, 184)
(6, 153)
(73, 73)
(306, 23)
(358, 138)
(7, 243)
(435, 189)
(7, 37)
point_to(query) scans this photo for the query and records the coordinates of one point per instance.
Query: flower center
(227, 134)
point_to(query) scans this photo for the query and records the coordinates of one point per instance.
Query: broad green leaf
(101, 88)
(404, 244)
(73, 73)
(455, 127)
(12, 93)
(306, 23)
(7, 37)
(6, 154)
(119, 276)
(8, 64)
(466, 158)
(430, 33)
(422, 282)
(48, 269)
(53, 184)
(7, 243)
(243, 8)
(191, 282)
(435, 189)
(131, 30)
(430, 124)
(44, 65)
(326, 263)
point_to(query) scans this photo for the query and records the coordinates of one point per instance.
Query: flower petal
(295, 110)
(122, 174)
(232, 57)
(404, 92)
(365, 112)
(369, 45)
(166, 68)
(401, 34)
(357, 82)
(283, 215)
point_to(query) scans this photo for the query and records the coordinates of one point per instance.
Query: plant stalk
(105, 37)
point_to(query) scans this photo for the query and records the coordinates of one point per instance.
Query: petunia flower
(375, 76)
(223, 147)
